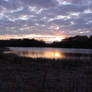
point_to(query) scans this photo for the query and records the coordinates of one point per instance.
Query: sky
(45, 19)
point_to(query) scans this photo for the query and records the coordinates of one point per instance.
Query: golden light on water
(53, 55)
(57, 55)
(42, 54)
(50, 53)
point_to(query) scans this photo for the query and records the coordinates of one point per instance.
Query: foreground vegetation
(20, 74)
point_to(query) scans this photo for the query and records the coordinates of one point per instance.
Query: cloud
(70, 17)
(40, 3)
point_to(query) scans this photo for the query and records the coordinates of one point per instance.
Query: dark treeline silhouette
(71, 42)
(22, 43)
(75, 42)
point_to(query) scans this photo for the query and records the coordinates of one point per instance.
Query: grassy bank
(20, 74)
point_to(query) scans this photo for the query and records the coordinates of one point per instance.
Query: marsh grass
(20, 74)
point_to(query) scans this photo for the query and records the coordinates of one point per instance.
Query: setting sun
(46, 38)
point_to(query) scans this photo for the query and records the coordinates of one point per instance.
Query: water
(53, 53)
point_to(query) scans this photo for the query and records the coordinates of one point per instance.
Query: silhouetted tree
(70, 42)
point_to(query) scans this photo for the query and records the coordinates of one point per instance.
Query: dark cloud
(41, 3)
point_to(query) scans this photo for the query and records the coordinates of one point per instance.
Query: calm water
(53, 53)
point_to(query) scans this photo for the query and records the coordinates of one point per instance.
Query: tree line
(75, 42)
(70, 42)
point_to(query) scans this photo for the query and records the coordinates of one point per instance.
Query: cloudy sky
(45, 17)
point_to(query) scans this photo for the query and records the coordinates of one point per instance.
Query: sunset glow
(46, 38)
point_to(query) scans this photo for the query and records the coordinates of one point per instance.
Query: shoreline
(47, 47)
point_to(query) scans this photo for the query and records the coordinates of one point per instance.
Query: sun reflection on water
(52, 53)
(42, 54)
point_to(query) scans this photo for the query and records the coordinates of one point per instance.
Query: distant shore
(71, 42)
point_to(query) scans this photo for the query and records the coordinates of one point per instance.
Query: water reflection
(41, 54)
(54, 53)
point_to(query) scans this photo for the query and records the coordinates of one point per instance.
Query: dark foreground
(19, 74)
